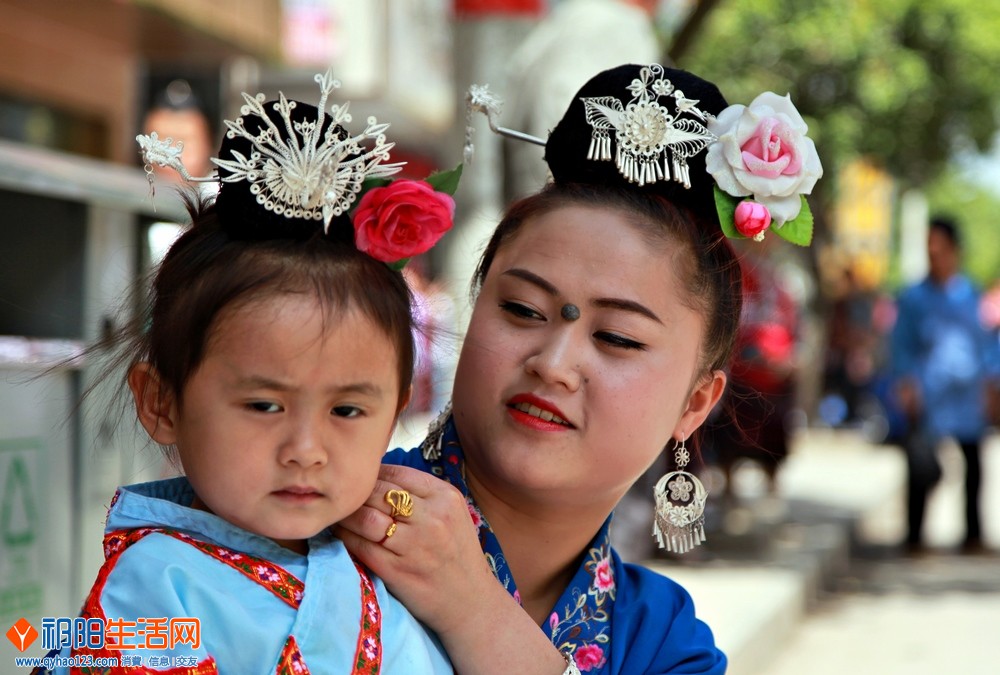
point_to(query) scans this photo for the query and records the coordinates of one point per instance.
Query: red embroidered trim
(285, 586)
(368, 657)
(115, 544)
(291, 662)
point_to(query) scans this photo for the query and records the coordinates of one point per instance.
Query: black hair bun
(241, 212)
(569, 143)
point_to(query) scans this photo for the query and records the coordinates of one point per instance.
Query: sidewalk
(774, 559)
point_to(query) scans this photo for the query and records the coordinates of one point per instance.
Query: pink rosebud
(752, 219)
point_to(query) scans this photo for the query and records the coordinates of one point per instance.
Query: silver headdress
(313, 169)
(653, 142)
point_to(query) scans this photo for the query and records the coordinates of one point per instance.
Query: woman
(606, 311)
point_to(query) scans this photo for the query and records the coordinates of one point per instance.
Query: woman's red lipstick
(537, 413)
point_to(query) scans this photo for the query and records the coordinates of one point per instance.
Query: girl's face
(283, 425)
(552, 409)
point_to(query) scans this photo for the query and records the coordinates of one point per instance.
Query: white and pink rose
(763, 152)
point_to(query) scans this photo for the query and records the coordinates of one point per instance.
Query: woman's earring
(679, 518)
(431, 447)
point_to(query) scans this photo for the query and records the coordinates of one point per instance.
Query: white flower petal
(782, 209)
(726, 120)
(721, 170)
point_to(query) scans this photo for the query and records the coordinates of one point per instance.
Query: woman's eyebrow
(533, 279)
(603, 303)
(626, 306)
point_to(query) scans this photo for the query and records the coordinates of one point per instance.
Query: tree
(906, 83)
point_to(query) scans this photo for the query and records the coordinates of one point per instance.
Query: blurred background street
(816, 581)
(804, 571)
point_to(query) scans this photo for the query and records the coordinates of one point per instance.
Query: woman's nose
(557, 359)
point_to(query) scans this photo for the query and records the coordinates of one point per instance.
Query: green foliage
(446, 181)
(977, 212)
(800, 230)
(906, 83)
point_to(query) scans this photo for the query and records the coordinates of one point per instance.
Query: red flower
(588, 657)
(401, 220)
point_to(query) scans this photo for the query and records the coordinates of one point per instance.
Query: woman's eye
(346, 411)
(616, 340)
(519, 310)
(264, 406)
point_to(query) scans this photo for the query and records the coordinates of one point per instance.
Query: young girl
(606, 310)
(275, 359)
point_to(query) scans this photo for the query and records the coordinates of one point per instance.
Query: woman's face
(554, 409)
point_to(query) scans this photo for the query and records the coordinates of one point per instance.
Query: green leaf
(398, 265)
(445, 181)
(373, 183)
(725, 206)
(800, 230)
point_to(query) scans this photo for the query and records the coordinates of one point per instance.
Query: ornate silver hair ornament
(311, 169)
(653, 141)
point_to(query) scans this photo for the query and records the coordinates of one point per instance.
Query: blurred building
(78, 230)
(72, 74)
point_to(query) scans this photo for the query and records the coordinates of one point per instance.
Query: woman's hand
(433, 563)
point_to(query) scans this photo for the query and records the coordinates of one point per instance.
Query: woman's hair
(208, 269)
(710, 271)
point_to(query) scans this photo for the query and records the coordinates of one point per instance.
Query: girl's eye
(616, 340)
(264, 406)
(346, 411)
(520, 311)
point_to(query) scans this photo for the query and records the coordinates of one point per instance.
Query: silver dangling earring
(679, 518)
(431, 447)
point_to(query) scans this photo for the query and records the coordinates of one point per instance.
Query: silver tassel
(679, 516)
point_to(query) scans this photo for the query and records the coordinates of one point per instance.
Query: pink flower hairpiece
(763, 165)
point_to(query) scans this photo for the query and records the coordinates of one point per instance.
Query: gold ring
(401, 503)
(391, 531)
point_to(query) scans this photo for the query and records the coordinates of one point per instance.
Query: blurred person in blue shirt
(945, 363)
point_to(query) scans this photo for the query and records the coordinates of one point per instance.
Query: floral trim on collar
(580, 623)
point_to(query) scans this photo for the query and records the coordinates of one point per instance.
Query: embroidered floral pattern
(477, 517)
(114, 544)
(580, 624)
(290, 662)
(583, 625)
(275, 579)
(368, 654)
(589, 657)
(604, 581)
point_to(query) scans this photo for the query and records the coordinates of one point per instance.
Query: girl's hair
(208, 269)
(709, 268)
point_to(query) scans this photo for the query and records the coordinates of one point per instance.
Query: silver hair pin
(480, 99)
(652, 142)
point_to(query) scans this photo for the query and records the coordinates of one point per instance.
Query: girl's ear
(700, 403)
(155, 404)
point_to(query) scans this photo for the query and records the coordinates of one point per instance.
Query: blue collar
(580, 622)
